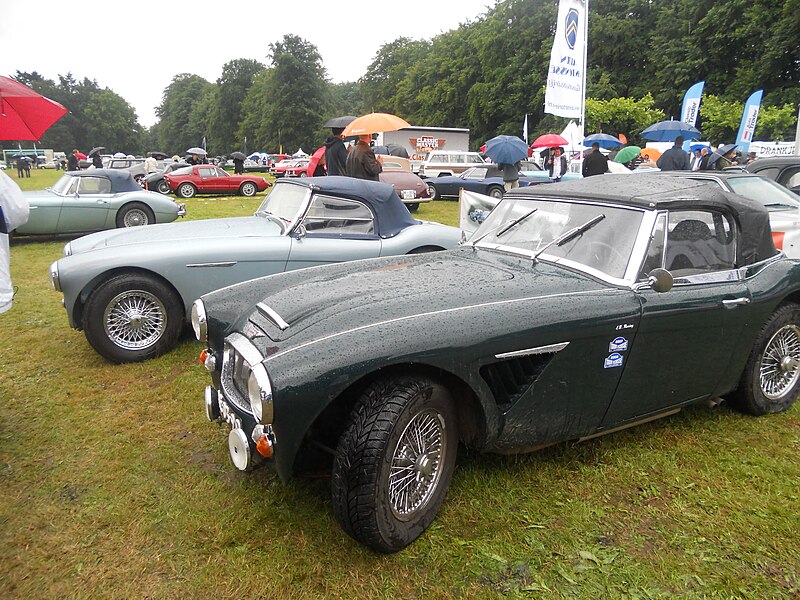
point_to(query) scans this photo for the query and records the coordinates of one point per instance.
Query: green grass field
(114, 485)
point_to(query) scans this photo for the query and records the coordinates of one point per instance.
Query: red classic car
(209, 179)
(290, 167)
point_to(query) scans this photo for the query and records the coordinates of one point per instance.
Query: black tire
(412, 207)
(248, 188)
(771, 380)
(186, 190)
(131, 318)
(135, 214)
(496, 192)
(376, 448)
(163, 187)
(433, 192)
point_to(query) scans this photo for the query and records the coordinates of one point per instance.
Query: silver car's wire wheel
(135, 319)
(135, 217)
(780, 364)
(416, 463)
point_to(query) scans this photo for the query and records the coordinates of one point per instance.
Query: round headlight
(259, 392)
(54, 281)
(199, 320)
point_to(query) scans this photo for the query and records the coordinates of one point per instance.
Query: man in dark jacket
(72, 161)
(361, 162)
(675, 159)
(596, 163)
(335, 153)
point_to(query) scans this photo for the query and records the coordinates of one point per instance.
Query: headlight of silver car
(199, 320)
(259, 392)
(54, 281)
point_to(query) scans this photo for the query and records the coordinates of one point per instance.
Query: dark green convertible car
(573, 311)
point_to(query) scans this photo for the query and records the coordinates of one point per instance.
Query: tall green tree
(229, 94)
(177, 130)
(111, 122)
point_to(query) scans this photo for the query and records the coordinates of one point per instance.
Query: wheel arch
(326, 429)
(99, 279)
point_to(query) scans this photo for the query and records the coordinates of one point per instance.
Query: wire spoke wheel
(135, 319)
(135, 218)
(780, 364)
(416, 463)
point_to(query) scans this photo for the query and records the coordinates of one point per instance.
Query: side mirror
(300, 231)
(660, 280)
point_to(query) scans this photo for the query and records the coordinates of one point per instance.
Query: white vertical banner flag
(565, 77)
(525, 129)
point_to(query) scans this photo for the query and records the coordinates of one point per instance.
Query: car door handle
(735, 302)
(101, 201)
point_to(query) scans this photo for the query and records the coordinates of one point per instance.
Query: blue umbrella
(699, 146)
(506, 149)
(669, 131)
(605, 140)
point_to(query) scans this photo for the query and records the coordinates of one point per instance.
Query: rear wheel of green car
(771, 380)
(394, 462)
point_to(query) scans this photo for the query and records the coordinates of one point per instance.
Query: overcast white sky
(136, 48)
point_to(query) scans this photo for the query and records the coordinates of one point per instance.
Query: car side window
(207, 171)
(335, 216)
(791, 177)
(699, 241)
(94, 185)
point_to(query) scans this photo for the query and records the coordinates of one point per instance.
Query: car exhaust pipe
(715, 403)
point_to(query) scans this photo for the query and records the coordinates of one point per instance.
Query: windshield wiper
(504, 227)
(570, 235)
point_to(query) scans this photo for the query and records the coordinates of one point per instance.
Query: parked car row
(343, 335)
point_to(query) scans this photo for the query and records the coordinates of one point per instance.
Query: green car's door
(87, 207)
(685, 337)
(334, 230)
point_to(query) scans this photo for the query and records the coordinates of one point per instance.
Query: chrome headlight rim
(68, 249)
(199, 320)
(55, 281)
(259, 393)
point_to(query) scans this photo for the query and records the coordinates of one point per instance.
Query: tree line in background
(486, 76)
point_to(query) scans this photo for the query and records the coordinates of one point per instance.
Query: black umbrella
(339, 122)
(158, 155)
(238, 156)
(94, 151)
(391, 150)
(719, 153)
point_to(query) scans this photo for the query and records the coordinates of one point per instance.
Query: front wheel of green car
(394, 462)
(771, 380)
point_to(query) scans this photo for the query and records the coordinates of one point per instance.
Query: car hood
(177, 232)
(324, 300)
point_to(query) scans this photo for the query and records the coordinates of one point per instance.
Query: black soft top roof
(391, 215)
(121, 180)
(658, 191)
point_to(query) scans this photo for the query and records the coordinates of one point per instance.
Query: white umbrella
(196, 151)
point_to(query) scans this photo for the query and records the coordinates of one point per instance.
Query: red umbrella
(549, 140)
(315, 158)
(24, 114)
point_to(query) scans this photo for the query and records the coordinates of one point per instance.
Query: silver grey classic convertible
(131, 291)
(83, 201)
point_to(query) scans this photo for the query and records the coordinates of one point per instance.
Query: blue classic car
(484, 179)
(575, 310)
(130, 291)
(96, 199)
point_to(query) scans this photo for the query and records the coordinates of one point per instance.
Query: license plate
(409, 194)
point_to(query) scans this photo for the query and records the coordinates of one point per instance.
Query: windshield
(61, 186)
(286, 202)
(604, 241)
(769, 193)
(183, 170)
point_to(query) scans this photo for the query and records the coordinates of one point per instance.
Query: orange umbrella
(375, 123)
(653, 153)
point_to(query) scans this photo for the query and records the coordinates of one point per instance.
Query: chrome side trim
(212, 264)
(530, 351)
(273, 316)
(243, 346)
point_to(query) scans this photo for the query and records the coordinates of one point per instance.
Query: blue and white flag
(747, 127)
(566, 74)
(691, 103)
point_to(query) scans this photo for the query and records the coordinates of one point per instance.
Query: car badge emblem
(613, 360)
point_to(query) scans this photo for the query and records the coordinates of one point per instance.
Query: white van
(449, 162)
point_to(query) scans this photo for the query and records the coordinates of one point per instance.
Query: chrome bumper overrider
(245, 451)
